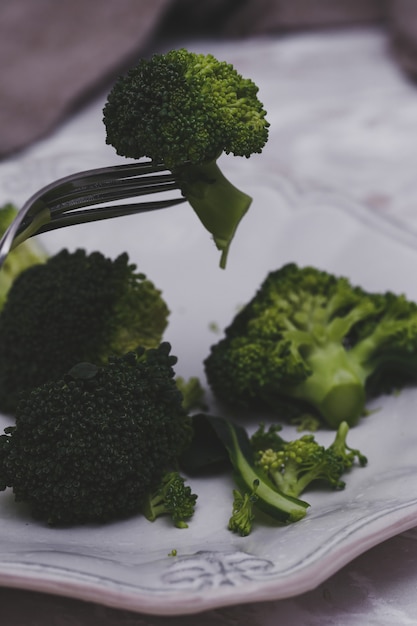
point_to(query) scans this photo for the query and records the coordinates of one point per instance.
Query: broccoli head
(310, 340)
(184, 110)
(90, 447)
(29, 253)
(75, 307)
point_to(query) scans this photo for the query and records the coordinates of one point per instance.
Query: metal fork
(64, 202)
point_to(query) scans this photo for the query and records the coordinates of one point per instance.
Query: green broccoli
(171, 497)
(243, 514)
(193, 394)
(75, 307)
(270, 473)
(255, 489)
(91, 446)
(28, 254)
(309, 340)
(294, 465)
(184, 110)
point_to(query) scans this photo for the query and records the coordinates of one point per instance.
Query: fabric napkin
(57, 53)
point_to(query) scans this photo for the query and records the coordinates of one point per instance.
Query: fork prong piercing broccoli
(310, 340)
(184, 110)
(91, 446)
(77, 306)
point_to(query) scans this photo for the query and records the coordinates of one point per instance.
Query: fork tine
(107, 212)
(58, 203)
(119, 191)
(101, 186)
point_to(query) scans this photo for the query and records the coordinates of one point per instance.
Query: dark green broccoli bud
(75, 307)
(312, 340)
(243, 515)
(184, 110)
(171, 497)
(90, 447)
(27, 254)
(294, 465)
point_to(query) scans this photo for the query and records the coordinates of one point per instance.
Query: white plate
(127, 564)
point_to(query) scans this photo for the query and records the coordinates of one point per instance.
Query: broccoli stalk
(172, 497)
(184, 110)
(293, 466)
(309, 340)
(219, 205)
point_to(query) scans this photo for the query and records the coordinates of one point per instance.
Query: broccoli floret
(243, 515)
(312, 340)
(75, 307)
(294, 465)
(27, 254)
(184, 110)
(172, 497)
(193, 394)
(91, 446)
(347, 454)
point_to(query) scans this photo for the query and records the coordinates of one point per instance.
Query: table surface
(344, 118)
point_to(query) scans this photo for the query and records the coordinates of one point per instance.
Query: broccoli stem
(219, 205)
(336, 387)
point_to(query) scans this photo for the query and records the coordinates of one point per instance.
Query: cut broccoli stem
(219, 205)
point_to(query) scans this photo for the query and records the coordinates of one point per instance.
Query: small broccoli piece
(312, 340)
(270, 439)
(192, 393)
(91, 446)
(184, 110)
(243, 515)
(340, 449)
(27, 254)
(295, 465)
(172, 497)
(75, 307)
